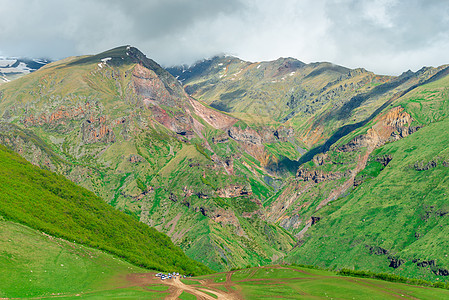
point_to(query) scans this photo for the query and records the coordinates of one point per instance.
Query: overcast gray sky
(384, 36)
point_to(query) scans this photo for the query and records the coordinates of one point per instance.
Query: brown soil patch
(177, 287)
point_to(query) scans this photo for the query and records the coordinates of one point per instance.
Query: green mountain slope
(314, 99)
(52, 204)
(395, 219)
(247, 161)
(35, 264)
(342, 128)
(119, 125)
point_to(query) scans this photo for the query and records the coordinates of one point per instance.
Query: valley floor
(269, 282)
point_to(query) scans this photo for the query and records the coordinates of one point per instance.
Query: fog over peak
(384, 36)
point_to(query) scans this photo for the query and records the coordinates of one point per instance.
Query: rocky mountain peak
(289, 62)
(119, 56)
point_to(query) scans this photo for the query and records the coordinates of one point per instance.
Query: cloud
(389, 34)
(386, 36)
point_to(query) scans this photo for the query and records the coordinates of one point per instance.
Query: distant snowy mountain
(13, 68)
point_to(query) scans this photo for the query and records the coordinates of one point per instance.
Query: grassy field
(286, 282)
(34, 264)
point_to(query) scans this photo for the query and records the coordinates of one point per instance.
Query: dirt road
(179, 287)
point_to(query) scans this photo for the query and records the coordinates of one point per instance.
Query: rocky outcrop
(385, 159)
(212, 117)
(440, 272)
(202, 195)
(134, 159)
(232, 191)
(432, 212)
(220, 139)
(320, 159)
(392, 126)
(293, 221)
(187, 192)
(425, 263)
(260, 136)
(62, 115)
(227, 217)
(316, 176)
(433, 163)
(421, 166)
(376, 250)
(95, 130)
(173, 197)
(247, 135)
(203, 211)
(315, 220)
(150, 87)
(281, 134)
(252, 141)
(395, 262)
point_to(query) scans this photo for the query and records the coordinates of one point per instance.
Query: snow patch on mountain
(13, 67)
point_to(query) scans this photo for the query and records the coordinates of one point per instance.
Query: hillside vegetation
(245, 163)
(357, 200)
(396, 217)
(35, 264)
(119, 125)
(52, 204)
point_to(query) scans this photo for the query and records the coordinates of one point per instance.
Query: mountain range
(13, 68)
(250, 163)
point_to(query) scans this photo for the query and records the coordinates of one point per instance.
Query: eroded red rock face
(168, 104)
(97, 130)
(93, 129)
(61, 116)
(178, 122)
(153, 90)
(214, 118)
(393, 125)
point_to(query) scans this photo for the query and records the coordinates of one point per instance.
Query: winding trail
(177, 287)
(180, 287)
(199, 292)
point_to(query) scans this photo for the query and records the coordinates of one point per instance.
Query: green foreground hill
(36, 264)
(52, 204)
